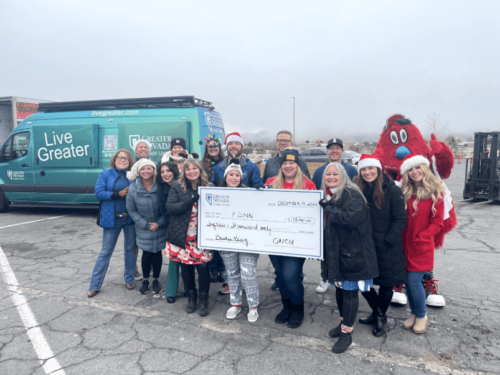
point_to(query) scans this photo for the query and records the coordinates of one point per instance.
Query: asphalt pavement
(49, 326)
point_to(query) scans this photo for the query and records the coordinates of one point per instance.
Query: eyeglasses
(122, 158)
(283, 140)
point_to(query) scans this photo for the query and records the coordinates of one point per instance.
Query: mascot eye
(403, 135)
(394, 137)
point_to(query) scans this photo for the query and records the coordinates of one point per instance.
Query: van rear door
(16, 167)
(66, 163)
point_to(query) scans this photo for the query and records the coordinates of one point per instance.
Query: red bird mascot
(398, 139)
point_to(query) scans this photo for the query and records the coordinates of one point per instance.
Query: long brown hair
(202, 180)
(129, 157)
(378, 194)
(206, 161)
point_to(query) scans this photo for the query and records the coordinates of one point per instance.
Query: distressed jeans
(242, 269)
(109, 239)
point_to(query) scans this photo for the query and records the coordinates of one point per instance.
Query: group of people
(375, 232)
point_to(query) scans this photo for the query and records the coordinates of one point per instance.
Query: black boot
(379, 327)
(370, 320)
(193, 298)
(297, 316)
(203, 304)
(334, 333)
(285, 313)
(342, 343)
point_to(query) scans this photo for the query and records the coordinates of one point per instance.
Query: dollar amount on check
(268, 221)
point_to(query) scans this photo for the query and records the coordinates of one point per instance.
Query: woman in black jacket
(182, 244)
(350, 255)
(388, 216)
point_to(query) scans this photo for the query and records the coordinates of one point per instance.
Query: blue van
(55, 156)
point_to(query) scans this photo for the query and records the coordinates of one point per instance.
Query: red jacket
(419, 232)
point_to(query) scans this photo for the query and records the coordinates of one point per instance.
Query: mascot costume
(398, 139)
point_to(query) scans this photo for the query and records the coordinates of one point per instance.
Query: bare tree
(436, 124)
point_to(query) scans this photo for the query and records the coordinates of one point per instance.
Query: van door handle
(24, 165)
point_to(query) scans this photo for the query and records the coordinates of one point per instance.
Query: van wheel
(4, 203)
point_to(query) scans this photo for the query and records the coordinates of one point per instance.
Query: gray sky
(350, 64)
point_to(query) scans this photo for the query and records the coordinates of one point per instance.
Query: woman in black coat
(350, 255)
(388, 216)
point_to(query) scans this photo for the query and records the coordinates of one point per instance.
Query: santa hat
(375, 160)
(136, 143)
(234, 165)
(233, 137)
(409, 162)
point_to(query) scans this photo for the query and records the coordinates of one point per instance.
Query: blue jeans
(416, 294)
(109, 238)
(288, 275)
(216, 265)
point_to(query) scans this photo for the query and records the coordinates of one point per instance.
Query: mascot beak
(402, 152)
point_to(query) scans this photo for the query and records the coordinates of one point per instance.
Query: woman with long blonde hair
(424, 203)
(289, 269)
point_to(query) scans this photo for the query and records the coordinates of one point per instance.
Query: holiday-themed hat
(178, 142)
(136, 143)
(234, 165)
(233, 137)
(289, 155)
(212, 140)
(409, 162)
(134, 172)
(374, 160)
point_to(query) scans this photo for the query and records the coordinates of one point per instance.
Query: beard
(237, 154)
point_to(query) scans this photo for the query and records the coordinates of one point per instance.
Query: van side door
(16, 167)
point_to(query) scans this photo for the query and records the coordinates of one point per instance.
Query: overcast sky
(350, 64)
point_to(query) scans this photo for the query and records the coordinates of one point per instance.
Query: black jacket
(349, 250)
(179, 206)
(387, 225)
(163, 190)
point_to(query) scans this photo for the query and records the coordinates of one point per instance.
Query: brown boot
(410, 322)
(420, 325)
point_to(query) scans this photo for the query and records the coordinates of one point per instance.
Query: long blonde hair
(345, 183)
(202, 180)
(431, 188)
(298, 182)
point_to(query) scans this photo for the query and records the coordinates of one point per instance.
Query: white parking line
(40, 344)
(34, 221)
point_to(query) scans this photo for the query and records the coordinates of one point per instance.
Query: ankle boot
(297, 316)
(370, 320)
(191, 305)
(334, 333)
(342, 343)
(203, 304)
(420, 325)
(285, 313)
(379, 327)
(410, 322)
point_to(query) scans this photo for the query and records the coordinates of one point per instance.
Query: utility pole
(293, 97)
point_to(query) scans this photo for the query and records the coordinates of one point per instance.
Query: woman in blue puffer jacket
(111, 189)
(143, 205)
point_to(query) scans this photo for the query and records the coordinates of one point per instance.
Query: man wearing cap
(142, 149)
(283, 140)
(335, 148)
(233, 145)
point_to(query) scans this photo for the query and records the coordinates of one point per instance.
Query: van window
(16, 147)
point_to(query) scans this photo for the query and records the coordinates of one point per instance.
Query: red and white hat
(412, 161)
(374, 160)
(233, 137)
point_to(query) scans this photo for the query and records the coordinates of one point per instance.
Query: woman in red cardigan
(423, 195)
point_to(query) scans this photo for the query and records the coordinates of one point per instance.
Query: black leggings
(347, 302)
(188, 271)
(380, 301)
(149, 259)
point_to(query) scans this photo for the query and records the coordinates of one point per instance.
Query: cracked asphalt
(121, 331)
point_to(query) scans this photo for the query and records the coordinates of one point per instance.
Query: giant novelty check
(268, 221)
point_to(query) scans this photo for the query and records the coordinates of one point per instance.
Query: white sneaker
(399, 298)
(233, 312)
(253, 315)
(322, 287)
(435, 300)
